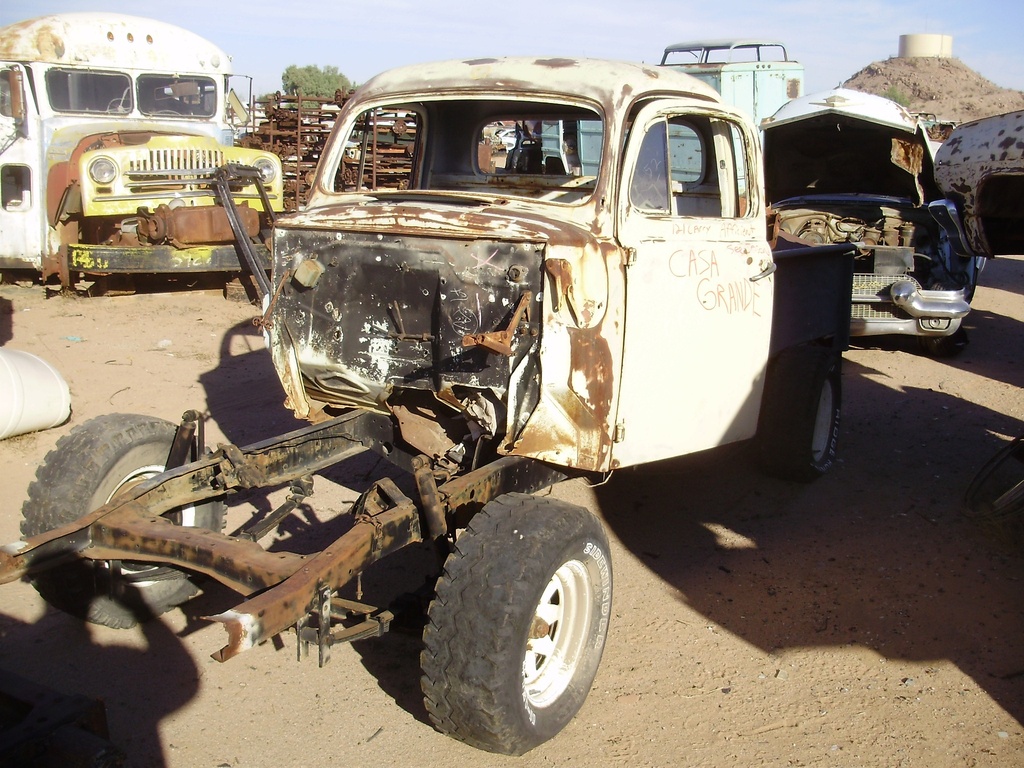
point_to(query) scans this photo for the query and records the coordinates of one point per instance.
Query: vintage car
(981, 170)
(845, 166)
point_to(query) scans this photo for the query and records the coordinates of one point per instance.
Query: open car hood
(843, 141)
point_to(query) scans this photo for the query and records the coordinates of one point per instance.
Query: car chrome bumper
(920, 304)
(906, 309)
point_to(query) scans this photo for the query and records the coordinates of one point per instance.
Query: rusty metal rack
(295, 127)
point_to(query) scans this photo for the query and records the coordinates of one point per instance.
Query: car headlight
(102, 170)
(266, 168)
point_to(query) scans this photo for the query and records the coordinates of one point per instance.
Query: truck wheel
(799, 424)
(518, 624)
(89, 467)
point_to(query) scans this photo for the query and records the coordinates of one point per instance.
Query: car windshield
(539, 150)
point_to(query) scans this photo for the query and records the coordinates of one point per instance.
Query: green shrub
(895, 94)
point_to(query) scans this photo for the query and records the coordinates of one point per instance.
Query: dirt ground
(861, 620)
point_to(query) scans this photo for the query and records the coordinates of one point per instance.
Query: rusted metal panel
(392, 310)
(610, 83)
(157, 259)
(981, 168)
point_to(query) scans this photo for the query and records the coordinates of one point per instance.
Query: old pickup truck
(604, 295)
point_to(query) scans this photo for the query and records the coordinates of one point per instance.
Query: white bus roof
(111, 40)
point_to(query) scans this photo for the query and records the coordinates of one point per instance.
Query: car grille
(162, 169)
(178, 161)
(871, 297)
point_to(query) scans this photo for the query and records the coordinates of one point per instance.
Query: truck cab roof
(605, 82)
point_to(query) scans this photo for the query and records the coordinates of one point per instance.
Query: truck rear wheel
(518, 624)
(89, 467)
(799, 424)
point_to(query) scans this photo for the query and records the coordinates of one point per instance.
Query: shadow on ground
(875, 554)
(138, 686)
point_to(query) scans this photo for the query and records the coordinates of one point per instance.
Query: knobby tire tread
(63, 490)
(472, 625)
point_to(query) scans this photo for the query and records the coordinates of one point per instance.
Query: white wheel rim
(558, 634)
(188, 512)
(822, 423)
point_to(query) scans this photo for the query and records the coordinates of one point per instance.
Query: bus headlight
(266, 168)
(102, 170)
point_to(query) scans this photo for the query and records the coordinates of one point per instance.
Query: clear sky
(833, 40)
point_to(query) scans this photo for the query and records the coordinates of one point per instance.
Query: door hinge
(620, 432)
(630, 257)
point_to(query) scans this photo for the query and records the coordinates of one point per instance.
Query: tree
(314, 81)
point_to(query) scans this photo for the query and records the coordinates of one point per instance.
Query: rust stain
(986, 183)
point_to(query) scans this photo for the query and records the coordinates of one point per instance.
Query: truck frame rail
(284, 589)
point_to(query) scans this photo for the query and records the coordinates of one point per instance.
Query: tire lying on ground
(799, 423)
(518, 624)
(88, 467)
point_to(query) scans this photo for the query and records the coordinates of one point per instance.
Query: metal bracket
(299, 491)
(384, 494)
(500, 342)
(402, 335)
(327, 611)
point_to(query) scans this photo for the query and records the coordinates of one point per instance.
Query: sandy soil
(861, 620)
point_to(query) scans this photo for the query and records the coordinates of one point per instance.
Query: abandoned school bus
(490, 331)
(112, 129)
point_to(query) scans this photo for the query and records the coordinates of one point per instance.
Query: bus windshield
(75, 90)
(168, 95)
(111, 93)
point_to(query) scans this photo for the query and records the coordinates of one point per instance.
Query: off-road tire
(525, 565)
(84, 471)
(799, 423)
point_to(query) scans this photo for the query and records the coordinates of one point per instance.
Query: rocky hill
(946, 88)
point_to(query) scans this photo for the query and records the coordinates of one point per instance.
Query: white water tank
(926, 46)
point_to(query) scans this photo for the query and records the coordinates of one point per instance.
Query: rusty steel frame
(284, 589)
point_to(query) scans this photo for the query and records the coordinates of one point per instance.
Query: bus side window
(15, 188)
(6, 93)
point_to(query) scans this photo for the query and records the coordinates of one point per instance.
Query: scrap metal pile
(295, 128)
